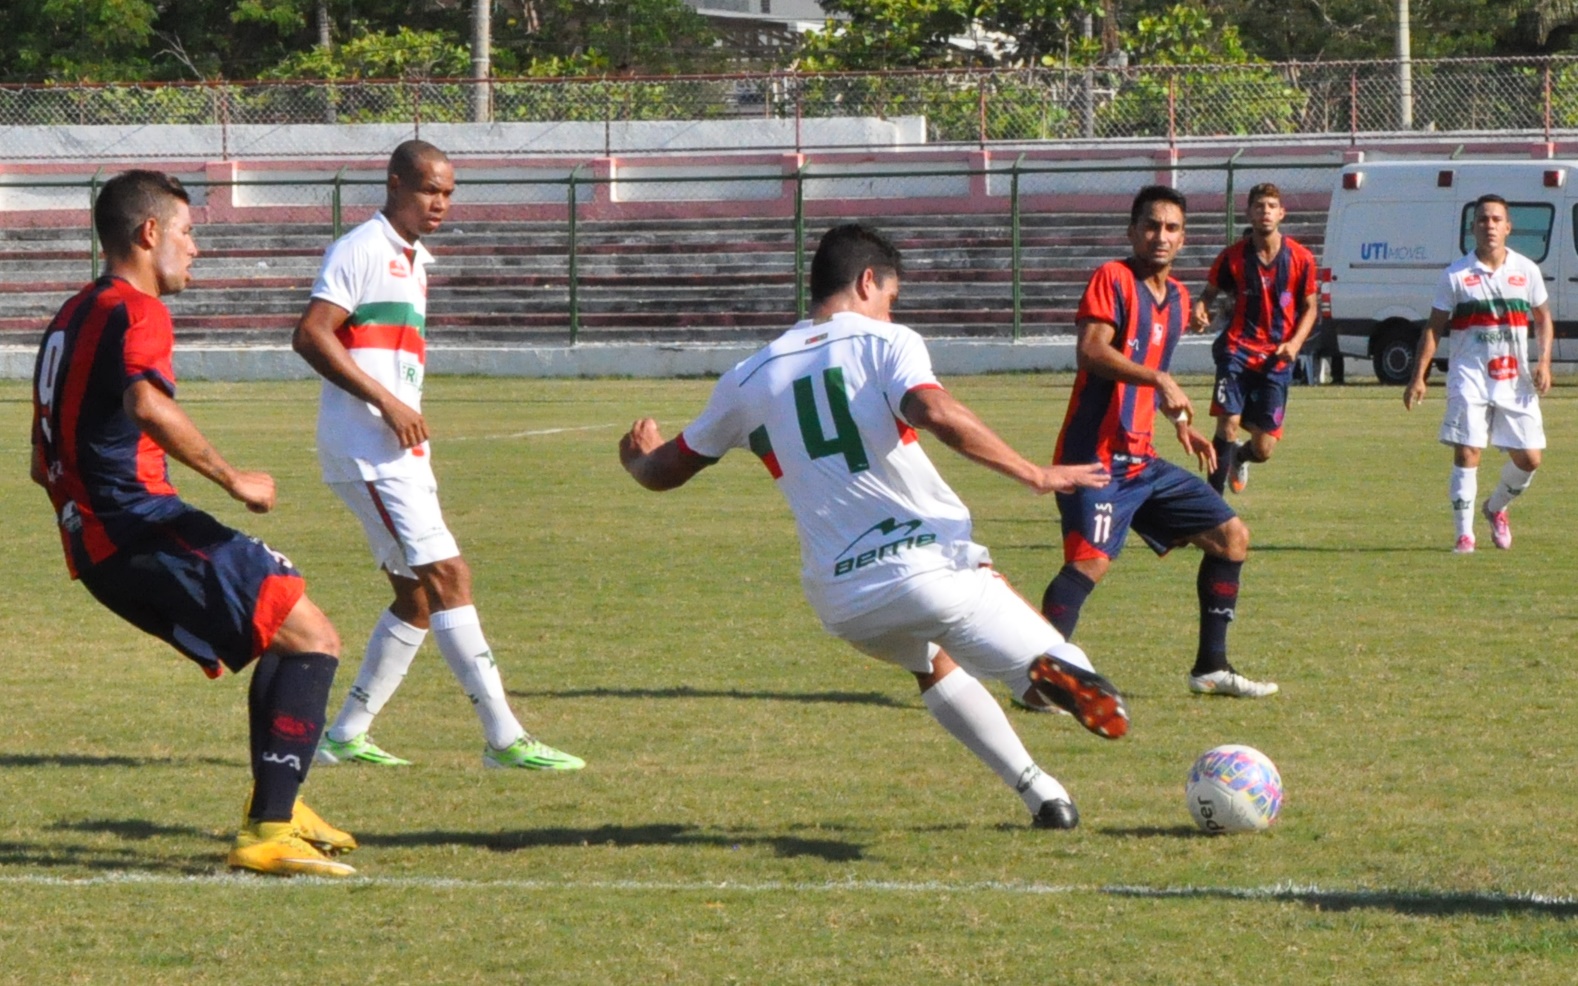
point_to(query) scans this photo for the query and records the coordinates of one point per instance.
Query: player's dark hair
(1487, 199)
(407, 160)
(130, 199)
(845, 253)
(1156, 193)
(1264, 190)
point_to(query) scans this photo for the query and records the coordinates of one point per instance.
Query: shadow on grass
(78, 760)
(624, 836)
(685, 691)
(1411, 902)
(1157, 832)
(137, 829)
(104, 858)
(1351, 549)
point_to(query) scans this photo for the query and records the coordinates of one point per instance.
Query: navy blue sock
(286, 706)
(1065, 594)
(1224, 463)
(1217, 585)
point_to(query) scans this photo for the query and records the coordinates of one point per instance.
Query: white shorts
(973, 614)
(1477, 423)
(404, 525)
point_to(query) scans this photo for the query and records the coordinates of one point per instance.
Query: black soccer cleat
(1086, 695)
(1059, 813)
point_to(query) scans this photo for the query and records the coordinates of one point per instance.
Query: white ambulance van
(1395, 225)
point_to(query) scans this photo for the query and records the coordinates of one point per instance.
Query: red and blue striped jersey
(1107, 421)
(1266, 297)
(109, 483)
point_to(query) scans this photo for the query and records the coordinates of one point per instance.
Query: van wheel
(1393, 353)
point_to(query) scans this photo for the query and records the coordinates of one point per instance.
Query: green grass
(764, 805)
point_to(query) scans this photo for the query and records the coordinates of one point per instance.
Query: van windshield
(1531, 228)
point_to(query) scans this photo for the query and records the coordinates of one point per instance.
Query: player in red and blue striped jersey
(1271, 278)
(104, 420)
(1130, 318)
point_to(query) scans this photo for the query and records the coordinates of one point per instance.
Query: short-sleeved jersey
(1266, 297)
(108, 482)
(1488, 315)
(374, 274)
(1107, 421)
(821, 407)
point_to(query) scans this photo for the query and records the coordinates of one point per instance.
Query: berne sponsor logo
(906, 539)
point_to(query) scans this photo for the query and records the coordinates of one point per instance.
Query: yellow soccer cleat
(311, 827)
(274, 849)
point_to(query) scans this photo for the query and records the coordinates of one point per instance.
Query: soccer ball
(1234, 789)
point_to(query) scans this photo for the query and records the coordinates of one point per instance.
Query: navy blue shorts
(1165, 504)
(1258, 398)
(214, 594)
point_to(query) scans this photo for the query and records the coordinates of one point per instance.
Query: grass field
(764, 805)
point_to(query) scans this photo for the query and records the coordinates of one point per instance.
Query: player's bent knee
(306, 631)
(447, 582)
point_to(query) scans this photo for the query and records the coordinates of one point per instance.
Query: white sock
(969, 712)
(1461, 490)
(393, 644)
(459, 635)
(1513, 482)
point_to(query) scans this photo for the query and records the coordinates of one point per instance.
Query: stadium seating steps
(657, 280)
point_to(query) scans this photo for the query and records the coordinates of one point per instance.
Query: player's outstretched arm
(315, 341)
(1424, 353)
(162, 420)
(1196, 444)
(654, 463)
(1095, 353)
(956, 426)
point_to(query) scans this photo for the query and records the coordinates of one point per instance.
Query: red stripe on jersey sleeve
(679, 440)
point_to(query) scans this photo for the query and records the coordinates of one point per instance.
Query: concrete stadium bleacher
(705, 280)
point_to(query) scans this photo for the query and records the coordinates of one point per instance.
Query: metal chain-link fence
(1173, 103)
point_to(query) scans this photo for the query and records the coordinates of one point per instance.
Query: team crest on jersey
(1158, 333)
(398, 268)
(1517, 280)
(1471, 281)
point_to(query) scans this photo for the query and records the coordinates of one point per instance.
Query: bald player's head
(407, 161)
(421, 182)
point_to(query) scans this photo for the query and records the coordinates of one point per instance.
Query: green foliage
(593, 37)
(404, 54)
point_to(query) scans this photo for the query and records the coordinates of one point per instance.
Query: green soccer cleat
(357, 749)
(530, 754)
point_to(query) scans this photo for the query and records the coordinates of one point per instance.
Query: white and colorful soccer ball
(1234, 788)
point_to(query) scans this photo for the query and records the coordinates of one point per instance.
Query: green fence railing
(1088, 178)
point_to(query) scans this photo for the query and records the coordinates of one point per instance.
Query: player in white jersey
(1487, 300)
(365, 332)
(831, 408)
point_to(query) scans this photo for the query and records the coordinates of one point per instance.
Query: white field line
(535, 432)
(1308, 894)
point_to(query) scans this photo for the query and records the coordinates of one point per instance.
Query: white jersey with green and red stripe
(373, 273)
(1488, 314)
(820, 406)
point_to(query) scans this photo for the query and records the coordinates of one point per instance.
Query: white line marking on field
(523, 434)
(1283, 891)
